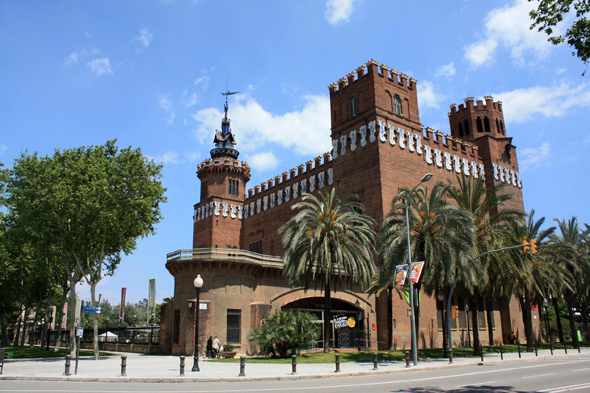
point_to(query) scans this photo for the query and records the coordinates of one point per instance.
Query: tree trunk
(95, 320)
(327, 316)
(475, 323)
(18, 326)
(558, 320)
(46, 324)
(25, 327)
(72, 318)
(527, 320)
(33, 336)
(4, 339)
(572, 318)
(390, 316)
(490, 319)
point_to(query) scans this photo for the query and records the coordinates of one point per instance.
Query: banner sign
(80, 331)
(78, 312)
(64, 315)
(151, 299)
(416, 271)
(340, 322)
(122, 308)
(400, 274)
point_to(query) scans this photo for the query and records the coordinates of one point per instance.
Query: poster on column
(416, 271)
(400, 274)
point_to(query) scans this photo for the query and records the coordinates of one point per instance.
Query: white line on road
(475, 384)
(564, 388)
(535, 376)
(582, 369)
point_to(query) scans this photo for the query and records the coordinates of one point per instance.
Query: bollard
(450, 356)
(518, 343)
(242, 366)
(579, 347)
(67, 371)
(375, 360)
(182, 366)
(407, 359)
(294, 364)
(337, 360)
(536, 353)
(481, 352)
(551, 346)
(565, 347)
(123, 366)
(501, 353)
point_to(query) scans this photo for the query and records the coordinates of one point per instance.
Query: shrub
(285, 333)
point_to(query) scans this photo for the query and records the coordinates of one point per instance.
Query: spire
(224, 140)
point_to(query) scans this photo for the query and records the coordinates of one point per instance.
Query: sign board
(202, 306)
(64, 316)
(400, 274)
(416, 271)
(351, 322)
(79, 331)
(340, 322)
(92, 309)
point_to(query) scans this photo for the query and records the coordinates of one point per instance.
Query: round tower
(217, 217)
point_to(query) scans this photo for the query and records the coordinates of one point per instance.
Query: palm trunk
(490, 319)
(572, 318)
(527, 319)
(390, 316)
(417, 318)
(585, 311)
(327, 316)
(475, 323)
(558, 320)
(444, 329)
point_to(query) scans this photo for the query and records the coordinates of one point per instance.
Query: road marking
(475, 384)
(535, 376)
(582, 369)
(565, 388)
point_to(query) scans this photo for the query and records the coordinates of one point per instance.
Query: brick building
(379, 146)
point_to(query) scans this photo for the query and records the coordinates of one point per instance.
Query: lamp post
(441, 298)
(198, 284)
(424, 179)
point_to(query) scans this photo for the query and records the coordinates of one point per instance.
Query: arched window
(351, 108)
(460, 130)
(466, 128)
(397, 105)
(479, 125)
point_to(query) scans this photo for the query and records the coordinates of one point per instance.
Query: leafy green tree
(550, 13)
(96, 201)
(285, 333)
(328, 240)
(491, 233)
(441, 235)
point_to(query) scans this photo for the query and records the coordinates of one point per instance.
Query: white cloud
(144, 38)
(508, 26)
(167, 105)
(192, 157)
(521, 105)
(262, 162)
(531, 158)
(170, 157)
(427, 97)
(100, 66)
(3, 148)
(446, 71)
(306, 131)
(585, 141)
(204, 81)
(338, 11)
(76, 56)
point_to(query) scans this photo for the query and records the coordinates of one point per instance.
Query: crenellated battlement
(475, 119)
(373, 68)
(223, 164)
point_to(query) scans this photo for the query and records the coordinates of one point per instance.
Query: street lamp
(198, 284)
(424, 179)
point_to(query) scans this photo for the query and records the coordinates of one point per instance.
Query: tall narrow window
(397, 105)
(351, 108)
(176, 328)
(479, 125)
(466, 127)
(502, 127)
(460, 130)
(234, 322)
(498, 126)
(486, 123)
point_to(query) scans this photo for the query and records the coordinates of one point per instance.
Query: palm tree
(328, 239)
(491, 233)
(440, 235)
(572, 243)
(535, 276)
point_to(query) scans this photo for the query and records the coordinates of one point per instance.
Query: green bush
(285, 333)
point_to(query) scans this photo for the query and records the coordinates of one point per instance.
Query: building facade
(378, 147)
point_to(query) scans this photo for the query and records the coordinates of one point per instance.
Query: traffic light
(533, 246)
(454, 312)
(527, 249)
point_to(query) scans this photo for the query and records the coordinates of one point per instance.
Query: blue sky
(150, 74)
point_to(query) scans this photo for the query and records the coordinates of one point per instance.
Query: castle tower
(483, 125)
(217, 217)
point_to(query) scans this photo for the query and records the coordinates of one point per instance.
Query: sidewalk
(146, 368)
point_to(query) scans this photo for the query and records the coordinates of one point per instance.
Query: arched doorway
(348, 329)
